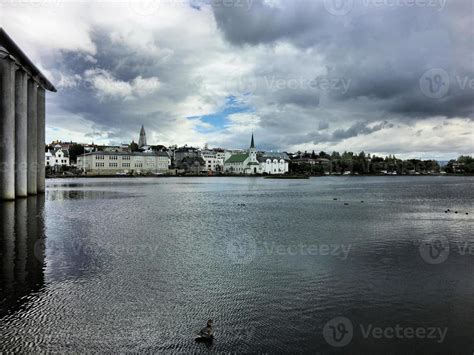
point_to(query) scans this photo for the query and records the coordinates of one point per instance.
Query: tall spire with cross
(252, 144)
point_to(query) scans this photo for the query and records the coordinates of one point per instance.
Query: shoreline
(275, 177)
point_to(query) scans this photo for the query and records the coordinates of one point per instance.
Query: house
(214, 159)
(184, 152)
(274, 163)
(56, 158)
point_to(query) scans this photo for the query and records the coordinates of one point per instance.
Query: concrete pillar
(7, 126)
(21, 234)
(21, 122)
(41, 139)
(32, 148)
(7, 246)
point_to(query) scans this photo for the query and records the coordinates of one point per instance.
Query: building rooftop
(237, 158)
(270, 155)
(9, 46)
(161, 154)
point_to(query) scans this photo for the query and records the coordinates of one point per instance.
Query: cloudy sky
(383, 76)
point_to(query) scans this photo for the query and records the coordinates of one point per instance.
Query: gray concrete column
(7, 126)
(32, 149)
(41, 138)
(21, 142)
(7, 246)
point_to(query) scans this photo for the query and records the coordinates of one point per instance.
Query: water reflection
(62, 195)
(22, 262)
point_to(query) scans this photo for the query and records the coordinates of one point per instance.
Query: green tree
(74, 151)
(133, 147)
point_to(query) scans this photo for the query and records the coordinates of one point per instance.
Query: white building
(112, 163)
(274, 163)
(59, 157)
(251, 163)
(214, 160)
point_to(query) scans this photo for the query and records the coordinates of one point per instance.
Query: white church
(253, 162)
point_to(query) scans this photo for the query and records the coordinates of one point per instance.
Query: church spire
(252, 144)
(142, 139)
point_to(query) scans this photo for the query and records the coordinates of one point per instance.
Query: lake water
(279, 265)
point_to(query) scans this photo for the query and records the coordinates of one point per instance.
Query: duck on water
(206, 333)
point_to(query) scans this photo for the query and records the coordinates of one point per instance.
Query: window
(99, 165)
(113, 157)
(113, 165)
(138, 165)
(99, 157)
(126, 157)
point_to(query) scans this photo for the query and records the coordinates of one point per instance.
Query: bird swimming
(206, 333)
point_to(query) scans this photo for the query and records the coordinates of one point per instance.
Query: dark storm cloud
(382, 50)
(359, 128)
(263, 23)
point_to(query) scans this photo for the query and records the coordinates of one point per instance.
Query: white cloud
(108, 87)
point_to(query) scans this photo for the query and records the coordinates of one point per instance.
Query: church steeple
(252, 151)
(142, 139)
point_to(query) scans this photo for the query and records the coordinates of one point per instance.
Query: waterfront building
(214, 160)
(112, 163)
(56, 158)
(252, 162)
(185, 152)
(273, 163)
